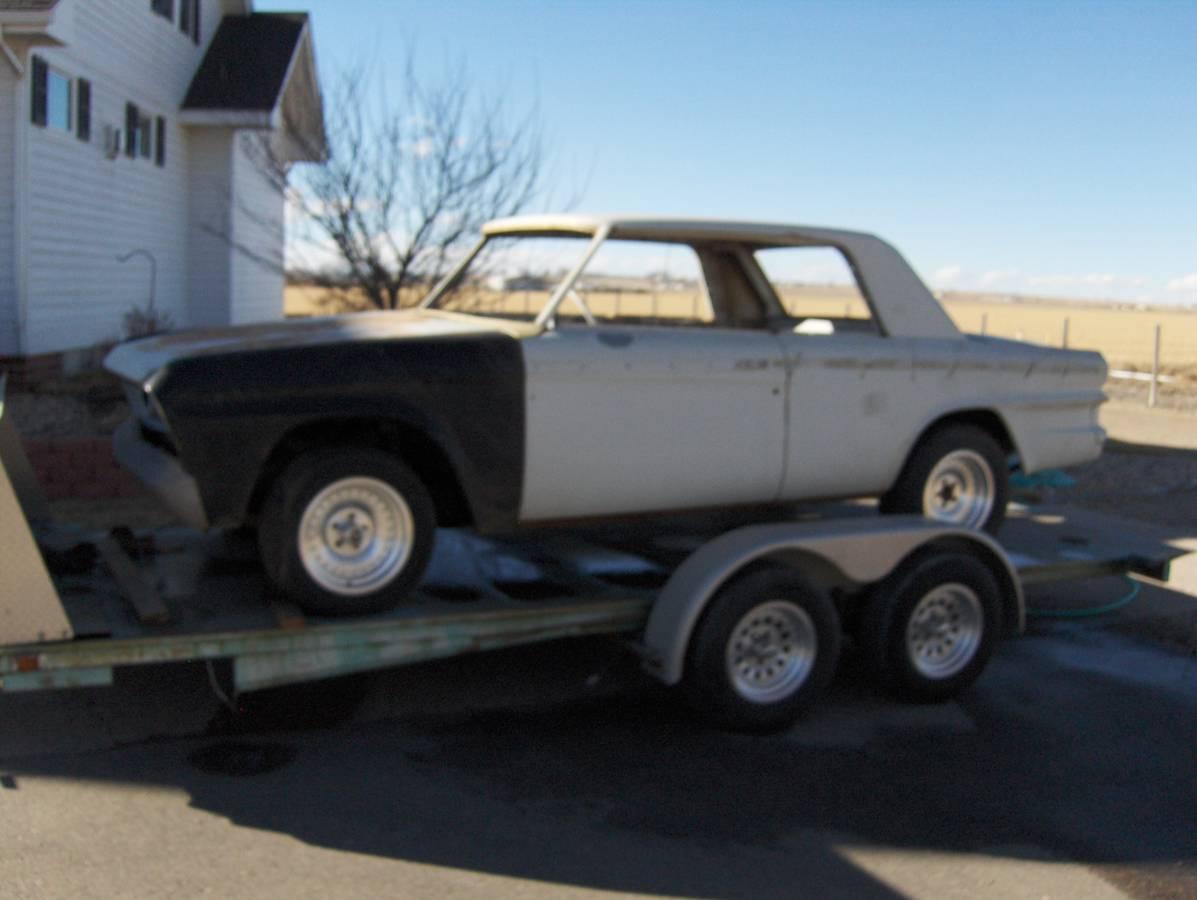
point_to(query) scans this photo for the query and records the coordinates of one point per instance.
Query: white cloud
(946, 276)
(422, 148)
(1183, 283)
(996, 276)
(1091, 279)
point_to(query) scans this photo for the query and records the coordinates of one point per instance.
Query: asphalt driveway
(1067, 771)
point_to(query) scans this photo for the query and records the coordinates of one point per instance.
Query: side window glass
(642, 283)
(818, 290)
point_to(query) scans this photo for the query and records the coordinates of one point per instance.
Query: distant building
(529, 282)
(123, 128)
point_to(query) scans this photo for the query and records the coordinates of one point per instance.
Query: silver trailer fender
(847, 553)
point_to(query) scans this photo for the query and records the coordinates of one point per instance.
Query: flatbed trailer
(178, 595)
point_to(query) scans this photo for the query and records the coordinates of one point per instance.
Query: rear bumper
(161, 473)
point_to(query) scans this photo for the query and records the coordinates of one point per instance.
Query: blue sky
(1044, 148)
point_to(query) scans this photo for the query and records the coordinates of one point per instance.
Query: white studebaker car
(575, 367)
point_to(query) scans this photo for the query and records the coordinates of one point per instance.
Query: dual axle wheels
(769, 642)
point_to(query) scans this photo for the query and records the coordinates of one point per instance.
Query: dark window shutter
(195, 23)
(185, 16)
(83, 122)
(40, 75)
(130, 130)
(160, 142)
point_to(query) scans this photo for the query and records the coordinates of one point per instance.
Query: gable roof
(247, 63)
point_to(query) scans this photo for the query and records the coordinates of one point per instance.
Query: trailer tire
(956, 475)
(928, 631)
(346, 531)
(763, 650)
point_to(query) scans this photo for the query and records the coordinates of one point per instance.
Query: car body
(510, 415)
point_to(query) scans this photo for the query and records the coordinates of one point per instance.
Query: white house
(136, 127)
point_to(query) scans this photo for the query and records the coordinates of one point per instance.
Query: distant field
(1123, 335)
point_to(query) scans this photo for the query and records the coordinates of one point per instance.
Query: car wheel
(346, 531)
(765, 647)
(929, 631)
(958, 476)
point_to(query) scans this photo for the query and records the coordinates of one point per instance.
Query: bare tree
(404, 185)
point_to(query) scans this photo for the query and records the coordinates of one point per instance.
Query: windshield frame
(549, 311)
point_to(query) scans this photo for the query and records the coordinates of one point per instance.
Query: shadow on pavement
(1053, 755)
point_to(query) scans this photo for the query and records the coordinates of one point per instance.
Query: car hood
(137, 360)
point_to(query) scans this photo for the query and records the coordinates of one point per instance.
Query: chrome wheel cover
(960, 490)
(771, 651)
(355, 536)
(944, 631)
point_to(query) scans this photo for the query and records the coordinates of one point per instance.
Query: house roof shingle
(246, 63)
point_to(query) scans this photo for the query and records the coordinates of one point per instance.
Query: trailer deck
(479, 594)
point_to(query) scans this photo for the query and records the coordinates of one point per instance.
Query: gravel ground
(1153, 485)
(82, 406)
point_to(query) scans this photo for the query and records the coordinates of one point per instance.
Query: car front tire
(346, 531)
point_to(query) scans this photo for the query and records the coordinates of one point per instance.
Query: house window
(59, 101)
(164, 8)
(189, 18)
(145, 135)
(160, 141)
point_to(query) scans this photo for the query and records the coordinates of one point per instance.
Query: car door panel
(850, 397)
(624, 419)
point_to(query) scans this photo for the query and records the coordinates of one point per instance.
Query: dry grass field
(1123, 334)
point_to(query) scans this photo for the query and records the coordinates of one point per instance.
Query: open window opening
(818, 290)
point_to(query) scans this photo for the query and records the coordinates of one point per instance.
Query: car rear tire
(346, 531)
(764, 649)
(957, 475)
(928, 631)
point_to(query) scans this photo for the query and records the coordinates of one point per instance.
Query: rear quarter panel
(1047, 398)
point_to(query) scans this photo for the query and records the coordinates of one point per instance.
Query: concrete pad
(1009, 872)
(1136, 424)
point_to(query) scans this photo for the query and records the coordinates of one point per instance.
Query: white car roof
(662, 229)
(898, 296)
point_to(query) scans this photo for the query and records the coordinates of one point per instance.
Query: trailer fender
(846, 553)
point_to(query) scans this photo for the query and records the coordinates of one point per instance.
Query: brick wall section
(79, 468)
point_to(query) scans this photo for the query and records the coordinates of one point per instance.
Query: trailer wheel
(764, 649)
(957, 475)
(929, 631)
(346, 531)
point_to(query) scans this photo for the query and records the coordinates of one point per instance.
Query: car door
(635, 418)
(851, 399)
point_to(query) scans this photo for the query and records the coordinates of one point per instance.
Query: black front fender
(228, 414)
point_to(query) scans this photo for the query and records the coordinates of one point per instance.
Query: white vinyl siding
(81, 209)
(257, 220)
(8, 282)
(210, 154)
